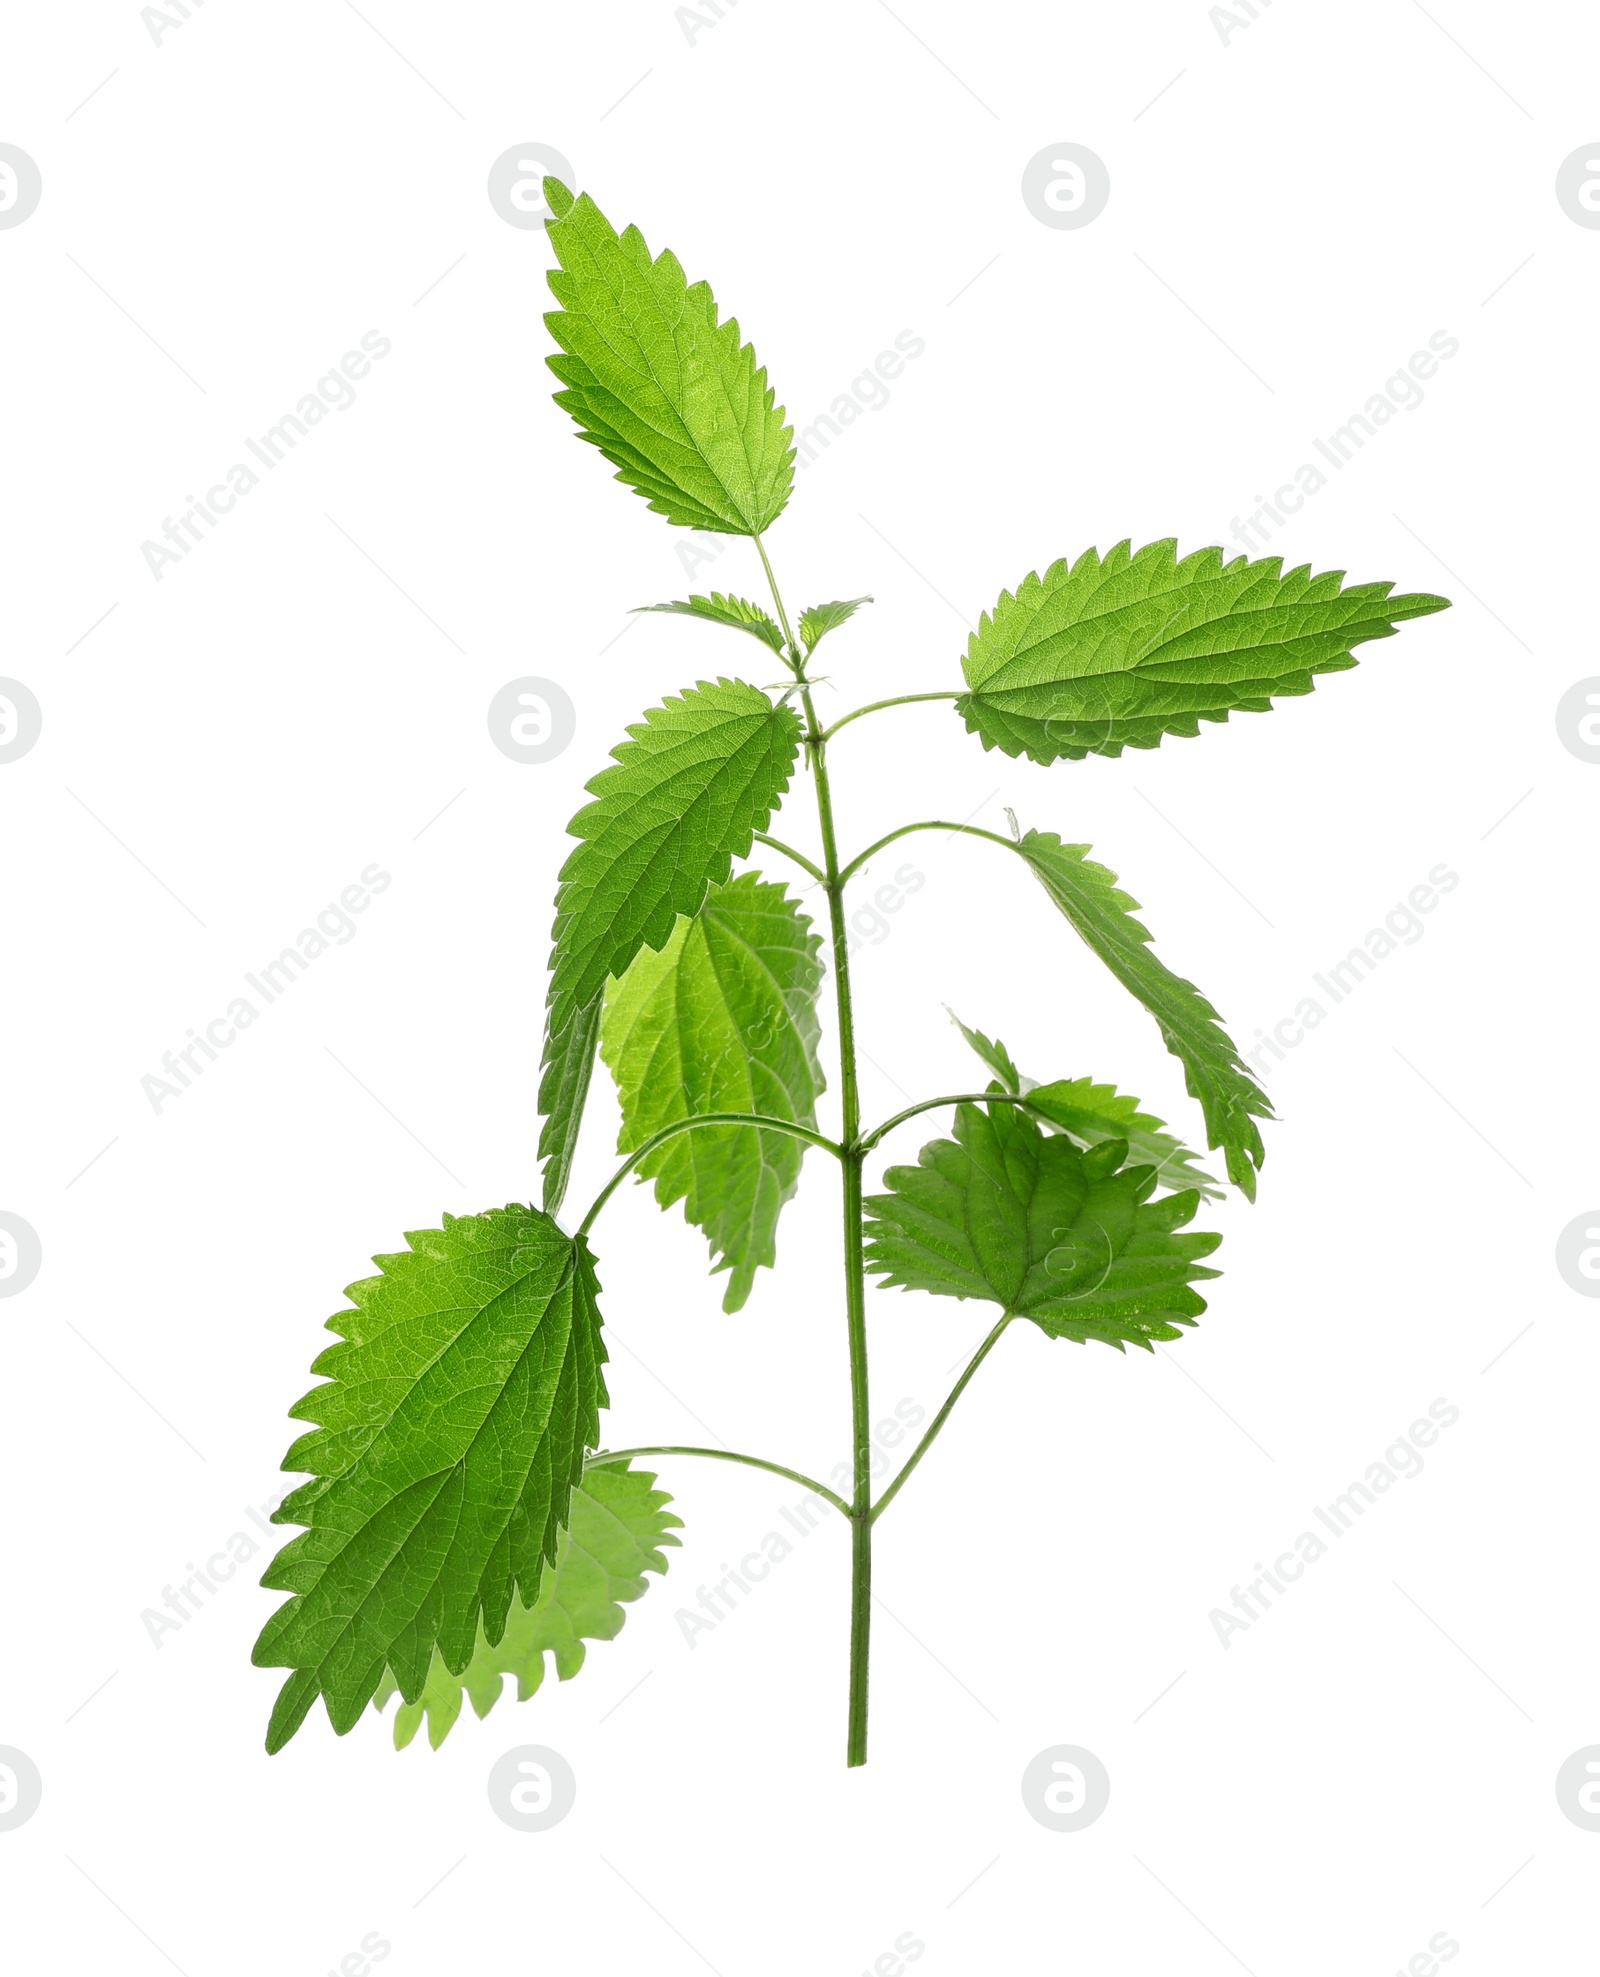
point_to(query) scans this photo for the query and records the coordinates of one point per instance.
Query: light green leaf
(1191, 1029)
(1048, 1232)
(452, 1425)
(671, 397)
(615, 1533)
(1119, 650)
(1092, 1113)
(820, 619)
(723, 1019)
(684, 796)
(738, 612)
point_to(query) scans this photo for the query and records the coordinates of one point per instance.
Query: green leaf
(1092, 1113)
(723, 1019)
(736, 611)
(1191, 1029)
(685, 795)
(821, 619)
(993, 1053)
(615, 1534)
(1067, 1238)
(671, 397)
(1119, 650)
(568, 1065)
(452, 1426)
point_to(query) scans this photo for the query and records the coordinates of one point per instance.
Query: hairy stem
(799, 857)
(939, 1419)
(934, 824)
(854, 1261)
(688, 1126)
(876, 706)
(605, 1455)
(870, 1140)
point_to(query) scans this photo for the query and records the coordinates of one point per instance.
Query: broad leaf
(1117, 651)
(1214, 1072)
(615, 1534)
(452, 1426)
(670, 396)
(738, 612)
(723, 1019)
(821, 619)
(684, 797)
(1092, 1113)
(1067, 1238)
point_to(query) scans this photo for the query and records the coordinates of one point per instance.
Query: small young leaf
(723, 1019)
(671, 397)
(459, 1403)
(1214, 1072)
(1117, 651)
(615, 1533)
(1066, 1238)
(684, 797)
(1092, 1113)
(821, 619)
(735, 611)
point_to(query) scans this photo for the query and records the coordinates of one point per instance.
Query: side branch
(939, 1419)
(798, 1132)
(870, 1140)
(602, 1456)
(799, 857)
(877, 706)
(935, 824)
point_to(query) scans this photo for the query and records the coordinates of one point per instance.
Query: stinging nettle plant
(461, 1518)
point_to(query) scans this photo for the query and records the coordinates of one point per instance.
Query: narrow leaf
(1214, 1072)
(723, 1019)
(820, 619)
(452, 1425)
(1067, 1238)
(683, 797)
(738, 612)
(616, 1532)
(1117, 651)
(670, 396)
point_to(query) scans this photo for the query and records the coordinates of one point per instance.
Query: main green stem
(852, 1157)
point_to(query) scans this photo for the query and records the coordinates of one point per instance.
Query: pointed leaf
(1048, 1232)
(671, 397)
(723, 1019)
(452, 1425)
(738, 612)
(615, 1534)
(563, 1087)
(685, 795)
(820, 619)
(1214, 1072)
(1091, 1113)
(1117, 651)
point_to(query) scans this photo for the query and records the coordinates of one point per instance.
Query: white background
(305, 692)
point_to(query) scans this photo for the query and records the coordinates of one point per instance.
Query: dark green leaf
(1119, 650)
(615, 1534)
(671, 397)
(452, 1426)
(684, 797)
(563, 1088)
(1045, 1230)
(738, 612)
(723, 1019)
(820, 619)
(1230, 1098)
